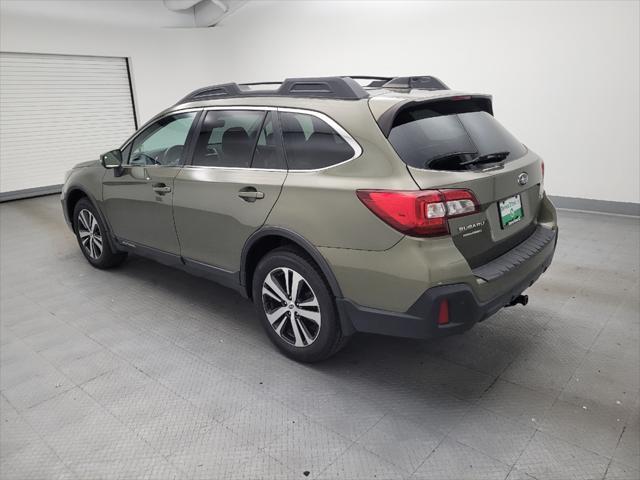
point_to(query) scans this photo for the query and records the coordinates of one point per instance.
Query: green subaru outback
(398, 207)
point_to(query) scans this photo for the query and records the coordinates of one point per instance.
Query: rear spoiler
(469, 103)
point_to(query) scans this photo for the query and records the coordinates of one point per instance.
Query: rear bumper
(465, 309)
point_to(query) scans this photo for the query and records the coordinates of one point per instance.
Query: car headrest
(236, 143)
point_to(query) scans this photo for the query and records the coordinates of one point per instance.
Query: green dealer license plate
(510, 210)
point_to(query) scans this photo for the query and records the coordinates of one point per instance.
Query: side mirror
(112, 159)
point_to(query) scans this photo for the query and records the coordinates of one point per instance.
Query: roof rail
(340, 88)
(424, 82)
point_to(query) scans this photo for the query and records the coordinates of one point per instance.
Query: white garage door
(56, 111)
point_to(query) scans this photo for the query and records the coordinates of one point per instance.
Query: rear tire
(92, 237)
(296, 306)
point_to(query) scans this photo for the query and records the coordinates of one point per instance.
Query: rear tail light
(542, 166)
(460, 202)
(422, 213)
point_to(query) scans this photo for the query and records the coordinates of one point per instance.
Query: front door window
(162, 143)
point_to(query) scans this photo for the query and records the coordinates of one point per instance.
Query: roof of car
(336, 88)
(317, 93)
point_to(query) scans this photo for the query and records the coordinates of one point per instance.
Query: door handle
(250, 194)
(161, 188)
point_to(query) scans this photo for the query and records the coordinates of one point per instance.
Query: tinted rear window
(310, 143)
(430, 138)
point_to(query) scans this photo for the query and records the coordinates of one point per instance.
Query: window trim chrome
(135, 134)
(355, 146)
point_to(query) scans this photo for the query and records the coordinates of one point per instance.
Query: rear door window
(426, 138)
(311, 143)
(227, 138)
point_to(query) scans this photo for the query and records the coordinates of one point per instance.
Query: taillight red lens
(422, 213)
(542, 165)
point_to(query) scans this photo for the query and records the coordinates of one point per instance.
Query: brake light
(422, 213)
(542, 165)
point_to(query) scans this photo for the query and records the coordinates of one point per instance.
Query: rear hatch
(457, 143)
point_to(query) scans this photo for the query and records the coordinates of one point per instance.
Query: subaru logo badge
(523, 178)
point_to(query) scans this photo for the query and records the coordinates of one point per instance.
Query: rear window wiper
(446, 156)
(486, 158)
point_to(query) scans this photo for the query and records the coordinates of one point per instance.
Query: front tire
(296, 307)
(92, 237)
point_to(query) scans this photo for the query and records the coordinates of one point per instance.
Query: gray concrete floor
(146, 372)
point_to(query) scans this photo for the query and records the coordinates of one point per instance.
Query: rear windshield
(437, 138)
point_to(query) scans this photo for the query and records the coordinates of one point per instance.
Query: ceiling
(132, 13)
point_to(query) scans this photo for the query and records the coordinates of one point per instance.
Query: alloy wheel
(90, 234)
(291, 306)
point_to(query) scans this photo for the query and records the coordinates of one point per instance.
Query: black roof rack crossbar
(421, 82)
(424, 82)
(340, 88)
(253, 84)
(376, 81)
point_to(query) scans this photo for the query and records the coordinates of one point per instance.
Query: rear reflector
(443, 312)
(421, 213)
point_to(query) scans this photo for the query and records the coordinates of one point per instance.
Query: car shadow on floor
(462, 366)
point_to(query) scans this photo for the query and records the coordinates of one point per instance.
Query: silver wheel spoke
(97, 246)
(305, 333)
(273, 285)
(267, 291)
(83, 221)
(313, 316)
(83, 233)
(277, 314)
(296, 323)
(296, 282)
(287, 284)
(313, 302)
(87, 219)
(284, 321)
(296, 332)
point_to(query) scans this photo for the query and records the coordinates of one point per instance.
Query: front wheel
(296, 306)
(92, 237)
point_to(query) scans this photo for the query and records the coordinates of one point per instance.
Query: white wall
(564, 75)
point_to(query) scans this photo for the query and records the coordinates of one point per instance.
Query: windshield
(425, 138)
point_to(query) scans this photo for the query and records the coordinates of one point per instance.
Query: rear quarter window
(311, 143)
